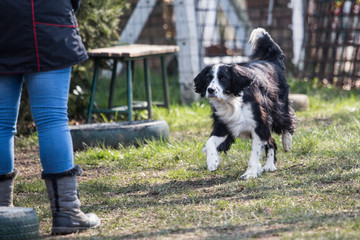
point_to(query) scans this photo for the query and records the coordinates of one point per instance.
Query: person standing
(39, 44)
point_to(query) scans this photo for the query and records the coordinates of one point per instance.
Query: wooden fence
(332, 47)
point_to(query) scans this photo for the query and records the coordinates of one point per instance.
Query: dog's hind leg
(212, 155)
(286, 140)
(254, 166)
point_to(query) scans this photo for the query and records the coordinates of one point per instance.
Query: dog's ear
(201, 82)
(241, 77)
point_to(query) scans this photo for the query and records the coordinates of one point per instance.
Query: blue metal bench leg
(165, 83)
(93, 89)
(129, 88)
(148, 88)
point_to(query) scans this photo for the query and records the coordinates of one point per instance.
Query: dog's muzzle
(210, 93)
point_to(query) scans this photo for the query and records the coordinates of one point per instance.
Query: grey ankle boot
(7, 188)
(65, 204)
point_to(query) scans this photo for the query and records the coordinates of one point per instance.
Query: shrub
(98, 26)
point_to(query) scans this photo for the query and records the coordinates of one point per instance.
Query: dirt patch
(27, 162)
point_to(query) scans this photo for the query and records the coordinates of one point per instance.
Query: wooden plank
(207, 28)
(133, 51)
(297, 31)
(240, 29)
(186, 38)
(137, 21)
(270, 13)
(206, 19)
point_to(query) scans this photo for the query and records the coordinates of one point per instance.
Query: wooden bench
(128, 54)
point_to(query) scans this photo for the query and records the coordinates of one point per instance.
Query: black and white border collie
(249, 101)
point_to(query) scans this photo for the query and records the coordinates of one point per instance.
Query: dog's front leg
(212, 155)
(254, 166)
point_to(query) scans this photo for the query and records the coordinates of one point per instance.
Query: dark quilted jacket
(39, 35)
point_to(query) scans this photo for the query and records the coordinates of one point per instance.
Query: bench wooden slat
(133, 50)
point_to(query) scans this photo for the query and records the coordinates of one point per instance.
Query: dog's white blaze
(212, 156)
(214, 84)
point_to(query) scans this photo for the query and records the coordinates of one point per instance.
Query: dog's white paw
(213, 161)
(286, 141)
(269, 167)
(252, 172)
(249, 174)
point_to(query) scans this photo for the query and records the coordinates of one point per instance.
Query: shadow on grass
(159, 189)
(177, 192)
(149, 195)
(219, 232)
(271, 229)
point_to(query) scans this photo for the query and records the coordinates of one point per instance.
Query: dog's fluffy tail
(286, 140)
(264, 47)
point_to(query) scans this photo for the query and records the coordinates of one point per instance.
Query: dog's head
(222, 81)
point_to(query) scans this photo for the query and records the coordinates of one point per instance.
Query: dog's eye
(222, 79)
(208, 77)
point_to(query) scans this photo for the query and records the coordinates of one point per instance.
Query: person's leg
(10, 92)
(48, 93)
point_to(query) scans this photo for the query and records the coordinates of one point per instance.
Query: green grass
(162, 189)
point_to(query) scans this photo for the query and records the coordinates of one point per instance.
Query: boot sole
(68, 230)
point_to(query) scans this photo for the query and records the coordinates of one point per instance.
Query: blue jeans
(48, 94)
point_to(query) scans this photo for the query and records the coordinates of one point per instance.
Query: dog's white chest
(238, 117)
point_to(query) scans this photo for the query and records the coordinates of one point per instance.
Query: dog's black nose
(211, 90)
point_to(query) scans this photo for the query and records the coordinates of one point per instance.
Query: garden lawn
(162, 190)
